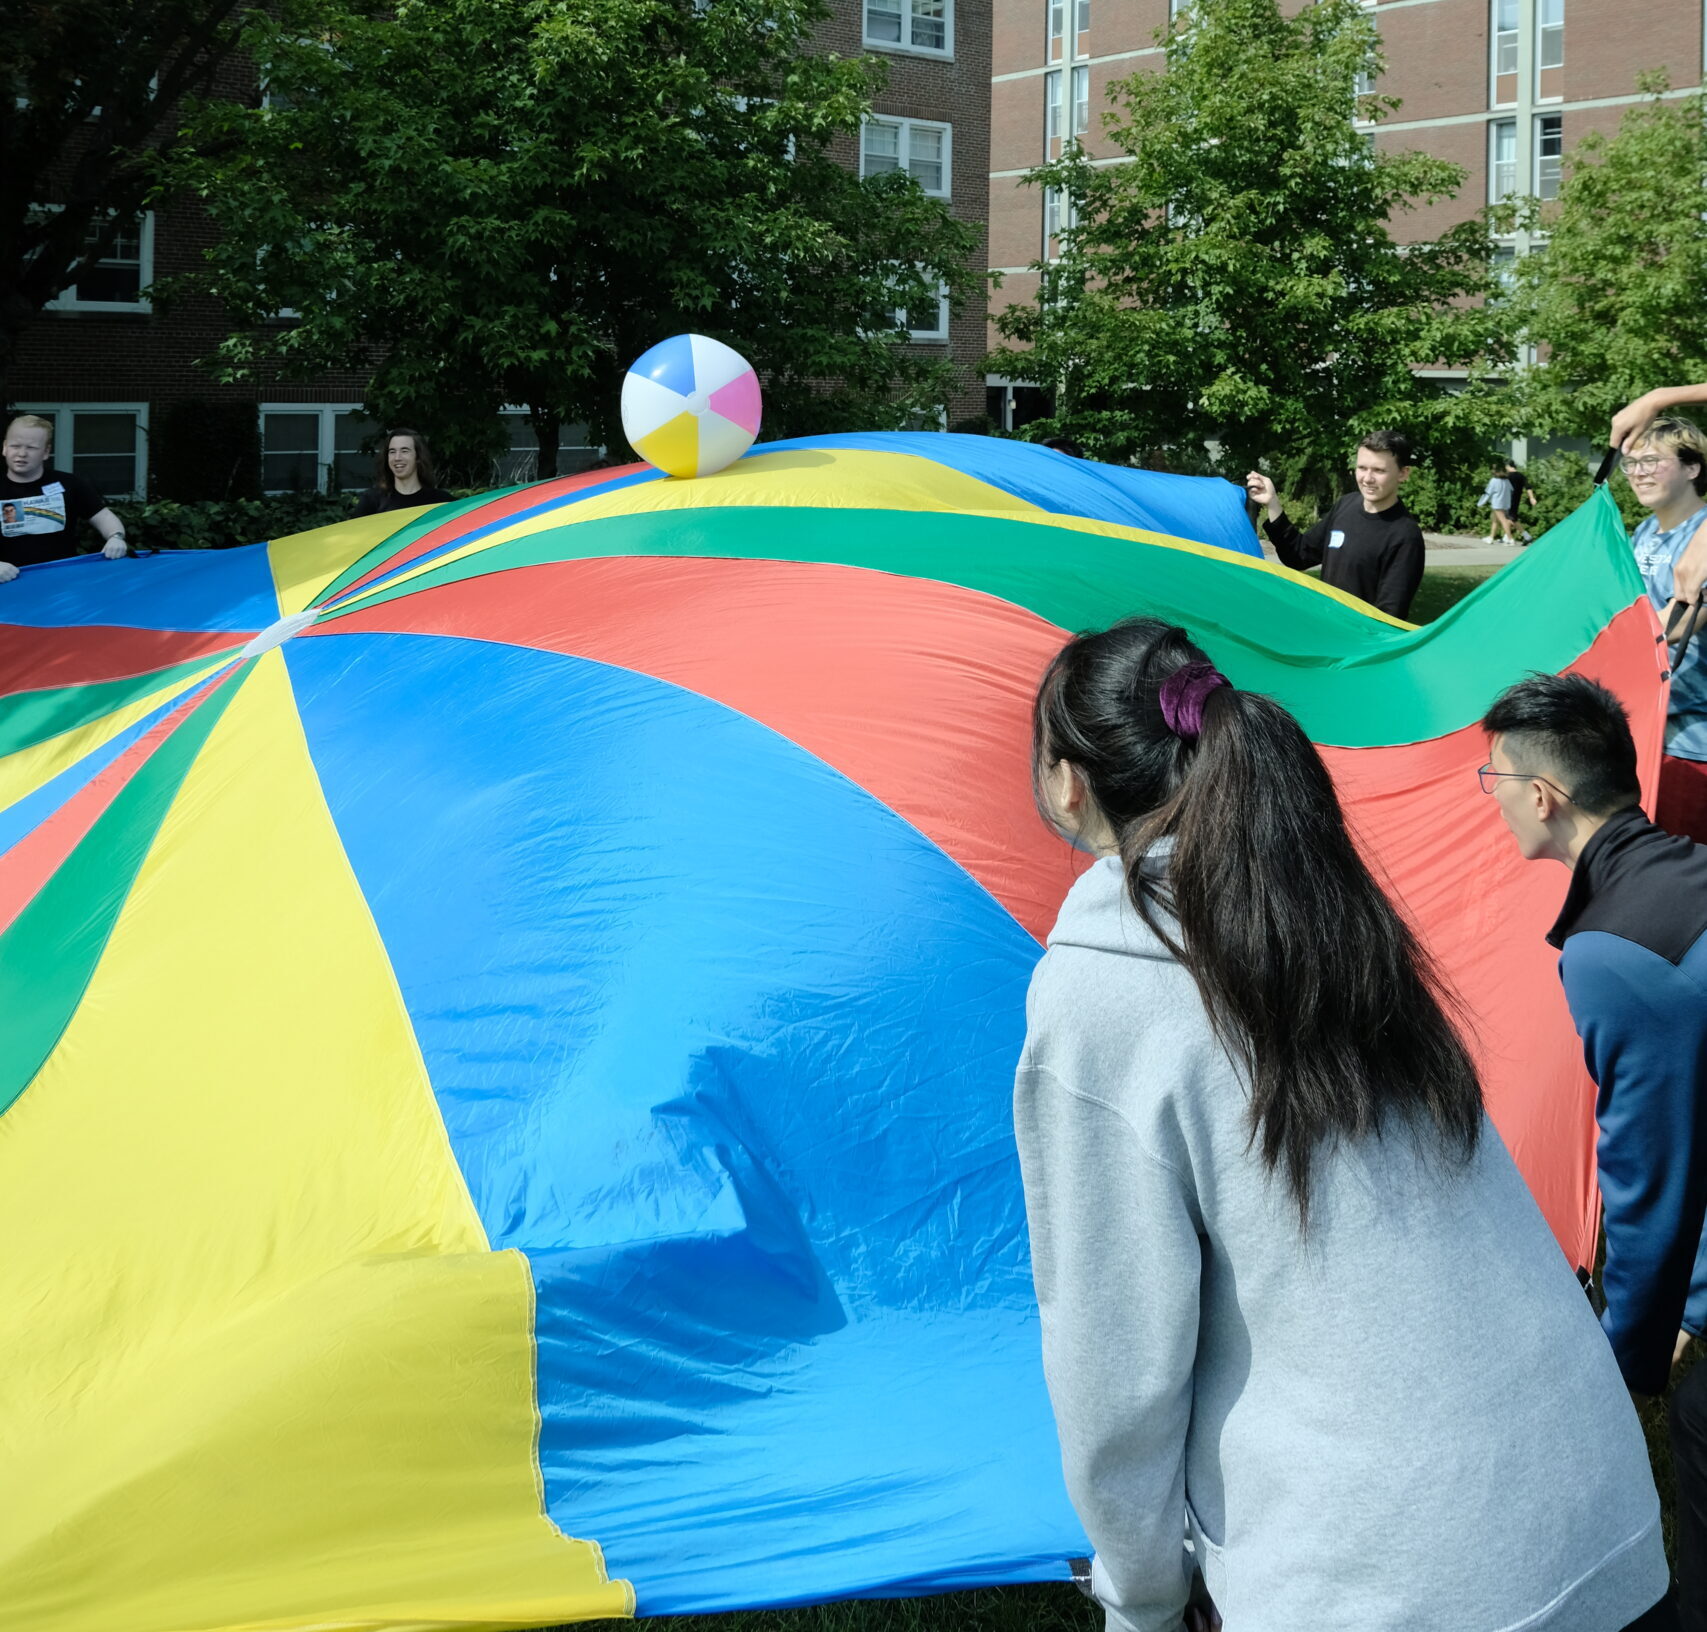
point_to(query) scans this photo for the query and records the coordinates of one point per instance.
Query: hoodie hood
(1098, 913)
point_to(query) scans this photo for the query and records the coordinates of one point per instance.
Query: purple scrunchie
(1183, 695)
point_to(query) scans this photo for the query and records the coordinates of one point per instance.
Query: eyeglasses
(1488, 776)
(1648, 463)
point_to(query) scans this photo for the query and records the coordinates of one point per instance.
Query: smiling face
(400, 456)
(1378, 478)
(1659, 478)
(26, 451)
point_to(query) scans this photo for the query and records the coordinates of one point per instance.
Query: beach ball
(690, 405)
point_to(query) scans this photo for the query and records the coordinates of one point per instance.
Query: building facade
(1504, 88)
(119, 376)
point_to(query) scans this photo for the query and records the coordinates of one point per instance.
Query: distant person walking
(41, 508)
(1369, 544)
(1497, 497)
(1520, 491)
(403, 477)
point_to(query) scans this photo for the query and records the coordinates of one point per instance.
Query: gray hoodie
(1407, 1418)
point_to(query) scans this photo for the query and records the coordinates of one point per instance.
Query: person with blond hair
(1667, 469)
(40, 507)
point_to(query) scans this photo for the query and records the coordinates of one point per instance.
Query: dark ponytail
(1311, 980)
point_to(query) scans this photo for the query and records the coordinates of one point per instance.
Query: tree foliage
(506, 201)
(1615, 293)
(88, 96)
(1233, 279)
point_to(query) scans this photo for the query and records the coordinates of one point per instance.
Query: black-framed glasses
(1488, 776)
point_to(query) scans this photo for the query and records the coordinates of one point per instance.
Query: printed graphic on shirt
(42, 512)
(1335, 539)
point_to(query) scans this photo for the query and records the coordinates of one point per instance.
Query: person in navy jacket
(1632, 939)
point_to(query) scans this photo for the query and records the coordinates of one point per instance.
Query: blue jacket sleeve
(1643, 1023)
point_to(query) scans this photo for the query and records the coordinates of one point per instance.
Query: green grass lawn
(1443, 587)
(1061, 1608)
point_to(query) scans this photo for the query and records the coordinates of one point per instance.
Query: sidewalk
(1449, 550)
(1454, 550)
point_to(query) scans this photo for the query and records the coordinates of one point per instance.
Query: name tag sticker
(1335, 539)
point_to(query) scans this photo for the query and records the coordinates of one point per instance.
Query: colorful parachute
(508, 1012)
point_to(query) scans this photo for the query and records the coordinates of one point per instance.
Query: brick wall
(954, 91)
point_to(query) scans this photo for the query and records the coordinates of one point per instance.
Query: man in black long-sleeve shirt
(1369, 544)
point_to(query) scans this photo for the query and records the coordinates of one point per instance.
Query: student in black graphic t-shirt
(40, 508)
(1369, 544)
(404, 476)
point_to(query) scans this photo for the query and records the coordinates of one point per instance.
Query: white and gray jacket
(1406, 1418)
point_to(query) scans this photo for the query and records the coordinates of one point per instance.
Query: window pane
(1505, 57)
(882, 21)
(117, 276)
(1057, 18)
(1552, 48)
(880, 147)
(1082, 21)
(1051, 106)
(1081, 101)
(352, 467)
(1551, 12)
(103, 450)
(924, 157)
(1505, 16)
(930, 25)
(290, 452)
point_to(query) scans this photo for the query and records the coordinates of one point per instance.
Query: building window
(1057, 28)
(1059, 216)
(911, 25)
(315, 448)
(928, 321)
(115, 282)
(1505, 21)
(1550, 33)
(1052, 114)
(1082, 16)
(519, 463)
(1549, 154)
(1081, 101)
(917, 146)
(106, 443)
(1178, 8)
(1502, 160)
(1505, 270)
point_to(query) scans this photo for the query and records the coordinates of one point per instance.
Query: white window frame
(326, 457)
(928, 336)
(1497, 127)
(1502, 39)
(68, 301)
(1543, 30)
(906, 128)
(1081, 106)
(903, 47)
(1556, 158)
(516, 410)
(64, 415)
(1054, 109)
(1055, 45)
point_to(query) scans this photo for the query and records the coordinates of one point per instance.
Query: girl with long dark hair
(1305, 1330)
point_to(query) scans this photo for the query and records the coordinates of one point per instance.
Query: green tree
(1615, 292)
(506, 201)
(1234, 280)
(89, 91)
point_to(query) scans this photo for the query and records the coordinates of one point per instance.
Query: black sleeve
(1401, 572)
(1295, 549)
(82, 498)
(371, 502)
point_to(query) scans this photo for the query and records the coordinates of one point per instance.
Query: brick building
(1502, 87)
(110, 369)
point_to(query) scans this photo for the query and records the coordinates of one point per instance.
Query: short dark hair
(1578, 730)
(1393, 442)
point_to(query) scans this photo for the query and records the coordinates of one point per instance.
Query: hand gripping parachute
(508, 1016)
